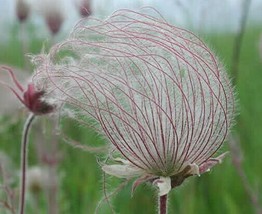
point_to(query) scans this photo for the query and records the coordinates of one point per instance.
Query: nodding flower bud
(84, 8)
(22, 10)
(33, 101)
(52, 12)
(54, 22)
(31, 98)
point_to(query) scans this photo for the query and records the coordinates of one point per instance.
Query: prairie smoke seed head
(31, 98)
(156, 92)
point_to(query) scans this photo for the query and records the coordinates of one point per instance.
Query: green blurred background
(80, 182)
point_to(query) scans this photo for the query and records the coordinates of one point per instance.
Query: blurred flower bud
(37, 179)
(54, 22)
(84, 7)
(52, 12)
(22, 10)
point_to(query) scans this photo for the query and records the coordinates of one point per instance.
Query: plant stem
(239, 41)
(52, 191)
(24, 45)
(163, 204)
(237, 162)
(24, 145)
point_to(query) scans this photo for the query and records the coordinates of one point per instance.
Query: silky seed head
(157, 93)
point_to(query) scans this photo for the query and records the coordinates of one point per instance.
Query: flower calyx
(33, 101)
(194, 169)
(125, 169)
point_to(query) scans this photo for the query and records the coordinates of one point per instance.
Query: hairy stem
(24, 146)
(163, 204)
(235, 147)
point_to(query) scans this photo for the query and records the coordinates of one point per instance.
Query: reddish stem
(24, 146)
(163, 204)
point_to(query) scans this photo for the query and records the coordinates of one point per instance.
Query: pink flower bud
(31, 98)
(53, 14)
(84, 8)
(54, 22)
(33, 101)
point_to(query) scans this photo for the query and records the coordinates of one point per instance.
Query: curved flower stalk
(157, 93)
(31, 98)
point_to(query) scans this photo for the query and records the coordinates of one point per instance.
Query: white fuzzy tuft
(157, 92)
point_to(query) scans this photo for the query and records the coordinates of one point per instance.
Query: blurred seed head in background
(84, 7)
(22, 10)
(37, 179)
(53, 13)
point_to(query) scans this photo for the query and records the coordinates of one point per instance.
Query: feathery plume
(156, 91)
